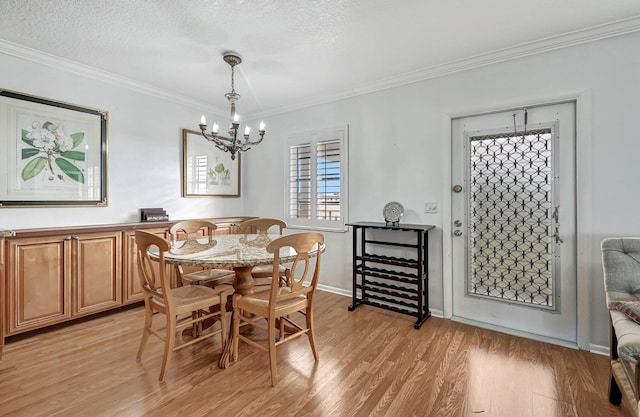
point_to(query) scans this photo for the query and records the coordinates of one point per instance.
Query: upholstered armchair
(621, 266)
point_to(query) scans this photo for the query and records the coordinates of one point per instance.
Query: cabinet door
(226, 228)
(38, 284)
(97, 272)
(2, 296)
(132, 288)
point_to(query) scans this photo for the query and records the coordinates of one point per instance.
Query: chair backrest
(262, 225)
(621, 267)
(303, 244)
(187, 228)
(153, 275)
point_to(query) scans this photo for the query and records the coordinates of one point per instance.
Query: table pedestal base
(242, 284)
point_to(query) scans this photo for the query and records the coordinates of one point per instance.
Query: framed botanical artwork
(51, 153)
(207, 170)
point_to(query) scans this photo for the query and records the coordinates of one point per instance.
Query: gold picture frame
(206, 170)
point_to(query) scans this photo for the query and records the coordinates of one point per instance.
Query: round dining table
(241, 252)
(238, 251)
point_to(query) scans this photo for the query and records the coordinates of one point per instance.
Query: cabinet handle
(76, 238)
(67, 238)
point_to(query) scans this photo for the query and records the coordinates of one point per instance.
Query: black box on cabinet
(153, 215)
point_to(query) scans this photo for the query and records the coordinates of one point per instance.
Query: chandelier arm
(223, 148)
(248, 142)
(223, 140)
(217, 140)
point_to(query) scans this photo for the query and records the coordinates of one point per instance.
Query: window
(317, 186)
(199, 172)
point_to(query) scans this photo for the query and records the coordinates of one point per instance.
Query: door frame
(583, 162)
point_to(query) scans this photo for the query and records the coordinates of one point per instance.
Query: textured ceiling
(295, 52)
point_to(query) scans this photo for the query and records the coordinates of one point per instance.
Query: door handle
(556, 235)
(556, 218)
(457, 232)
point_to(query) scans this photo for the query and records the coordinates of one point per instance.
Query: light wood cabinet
(38, 282)
(96, 272)
(2, 292)
(54, 278)
(227, 228)
(48, 276)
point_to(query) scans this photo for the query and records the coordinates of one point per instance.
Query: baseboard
(599, 350)
(526, 335)
(437, 313)
(334, 290)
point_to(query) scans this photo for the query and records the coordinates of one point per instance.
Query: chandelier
(232, 144)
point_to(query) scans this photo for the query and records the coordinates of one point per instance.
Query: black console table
(400, 287)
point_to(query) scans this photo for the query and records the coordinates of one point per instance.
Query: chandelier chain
(233, 88)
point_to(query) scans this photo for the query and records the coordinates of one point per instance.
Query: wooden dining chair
(182, 306)
(272, 310)
(262, 226)
(187, 229)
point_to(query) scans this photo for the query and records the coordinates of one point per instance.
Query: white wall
(398, 138)
(144, 145)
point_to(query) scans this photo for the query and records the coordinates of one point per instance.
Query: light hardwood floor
(372, 363)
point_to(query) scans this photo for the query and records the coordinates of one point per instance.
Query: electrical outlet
(430, 207)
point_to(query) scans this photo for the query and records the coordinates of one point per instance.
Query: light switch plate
(430, 207)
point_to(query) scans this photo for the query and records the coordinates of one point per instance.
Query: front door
(513, 212)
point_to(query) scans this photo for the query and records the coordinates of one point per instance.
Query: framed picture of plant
(51, 153)
(207, 170)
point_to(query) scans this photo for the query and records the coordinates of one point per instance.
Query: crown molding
(40, 57)
(566, 40)
(594, 33)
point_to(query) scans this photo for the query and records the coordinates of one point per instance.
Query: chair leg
(285, 280)
(195, 327)
(148, 321)
(235, 331)
(169, 343)
(223, 322)
(311, 333)
(281, 330)
(615, 395)
(272, 350)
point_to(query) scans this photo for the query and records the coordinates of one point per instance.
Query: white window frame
(312, 138)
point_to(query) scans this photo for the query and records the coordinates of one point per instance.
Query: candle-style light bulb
(236, 118)
(247, 130)
(203, 120)
(214, 129)
(262, 126)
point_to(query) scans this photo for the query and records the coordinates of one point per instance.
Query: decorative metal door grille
(510, 218)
